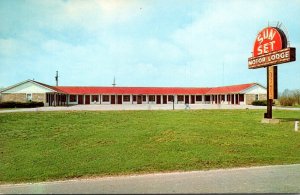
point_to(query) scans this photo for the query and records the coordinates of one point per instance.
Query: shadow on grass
(288, 119)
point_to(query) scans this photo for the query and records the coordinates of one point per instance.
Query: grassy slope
(56, 145)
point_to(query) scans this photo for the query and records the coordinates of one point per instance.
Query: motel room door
(80, 99)
(119, 99)
(165, 99)
(139, 99)
(158, 99)
(192, 99)
(113, 99)
(186, 99)
(87, 99)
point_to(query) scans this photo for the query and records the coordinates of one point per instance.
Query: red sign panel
(273, 58)
(268, 40)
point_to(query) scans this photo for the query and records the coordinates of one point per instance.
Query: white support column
(234, 99)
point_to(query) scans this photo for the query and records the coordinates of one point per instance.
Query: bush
(261, 103)
(21, 104)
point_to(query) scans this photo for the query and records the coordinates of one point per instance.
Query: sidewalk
(267, 179)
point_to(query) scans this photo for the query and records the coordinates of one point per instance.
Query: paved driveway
(269, 179)
(141, 107)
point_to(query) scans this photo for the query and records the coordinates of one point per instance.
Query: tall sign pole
(270, 49)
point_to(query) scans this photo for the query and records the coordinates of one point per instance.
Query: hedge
(21, 104)
(260, 103)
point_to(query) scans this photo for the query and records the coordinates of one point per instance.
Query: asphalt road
(268, 179)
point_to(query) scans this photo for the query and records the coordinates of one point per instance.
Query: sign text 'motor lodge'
(277, 57)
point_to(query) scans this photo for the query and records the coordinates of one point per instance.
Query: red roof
(230, 89)
(152, 90)
(131, 90)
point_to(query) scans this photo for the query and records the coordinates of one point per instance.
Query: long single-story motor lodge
(31, 90)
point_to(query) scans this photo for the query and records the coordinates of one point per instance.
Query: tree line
(289, 97)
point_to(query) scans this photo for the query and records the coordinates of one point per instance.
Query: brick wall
(21, 97)
(251, 97)
(39, 97)
(15, 97)
(262, 96)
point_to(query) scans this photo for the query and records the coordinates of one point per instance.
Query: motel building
(30, 90)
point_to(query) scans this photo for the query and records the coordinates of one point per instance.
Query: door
(80, 99)
(119, 99)
(139, 99)
(165, 99)
(113, 99)
(186, 99)
(87, 99)
(192, 99)
(158, 99)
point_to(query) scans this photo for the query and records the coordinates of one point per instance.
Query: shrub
(21, 104)
(261, 103)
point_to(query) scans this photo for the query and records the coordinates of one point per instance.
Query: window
(105, 98)
(207, 98)
(134, 98)
(73, 98)
(144, 98)
(256, 97)
(223, 98)
(151, 98)
(180, 98)
(95, 98)
(29, 97)
(170, 98)
(126, 98)
(198, 98)
(241, 97)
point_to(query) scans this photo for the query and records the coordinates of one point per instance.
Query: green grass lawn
(39, 146)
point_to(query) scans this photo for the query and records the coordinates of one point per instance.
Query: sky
(141, 42)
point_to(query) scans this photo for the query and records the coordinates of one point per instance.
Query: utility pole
(56, 78)
(114, 82)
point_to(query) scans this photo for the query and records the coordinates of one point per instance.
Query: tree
(289, 97)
